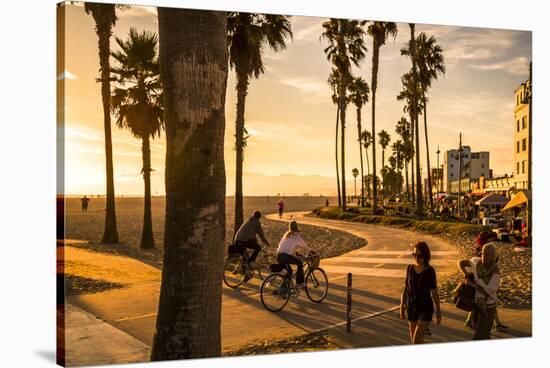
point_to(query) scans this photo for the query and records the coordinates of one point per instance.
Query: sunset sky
(289, 112)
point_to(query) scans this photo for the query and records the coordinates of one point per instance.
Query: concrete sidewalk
(91, 341)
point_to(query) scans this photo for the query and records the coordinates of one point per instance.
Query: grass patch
(424, 225)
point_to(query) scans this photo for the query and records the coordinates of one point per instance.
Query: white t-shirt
(290, 244)
(491, 288)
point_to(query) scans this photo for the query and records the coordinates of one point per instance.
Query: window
(524, 144)
(517, 147)
(517, 126)
(452, 167)
(475, 155)
(454, 174)
(523, 123)
(523, 167)
(517, 169)
(483, 167)
(517, 99)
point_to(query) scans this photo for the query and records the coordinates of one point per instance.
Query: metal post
(348, 311)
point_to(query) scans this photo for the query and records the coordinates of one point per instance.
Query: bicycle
(237, 271)
(278, 287)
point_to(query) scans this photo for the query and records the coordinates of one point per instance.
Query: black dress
(420, 305)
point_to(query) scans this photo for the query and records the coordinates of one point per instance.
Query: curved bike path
(378, 271)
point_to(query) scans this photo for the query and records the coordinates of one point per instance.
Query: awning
(519, 200)
(493, 200)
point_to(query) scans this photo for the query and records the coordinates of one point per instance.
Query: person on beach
(486, 280)
(245, 238)
(326, 203)
(84, 202)
(281, 206)
(290, 243)
(419, 294)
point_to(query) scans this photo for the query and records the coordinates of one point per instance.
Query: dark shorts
(420, 314)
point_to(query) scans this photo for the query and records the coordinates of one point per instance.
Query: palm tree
(407, 94)
(403, 129)
(366, 137)
(379, 31)
(415, 95)
(430, 62)
(398, 151)
(359, 96)
(137, 104)
(345, 46)
(355, 172)
(384, 140)
(248, 35)
(333, 81)
(194, 66)
(105, 18)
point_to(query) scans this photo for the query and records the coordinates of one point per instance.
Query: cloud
(148, 12)
(66, 75)
(518, 66)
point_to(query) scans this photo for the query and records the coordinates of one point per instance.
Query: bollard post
(348, 311)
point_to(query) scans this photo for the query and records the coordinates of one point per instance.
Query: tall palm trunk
(193, 64)
(367, 185)
(361, 156)
(336, 155)
(427, 151)
(407, 180)
(413, 196)
(419, 201)
(375, 52)
(147, 239)
(383, 177)
(242, 91)
(104, 32)
(343, 142)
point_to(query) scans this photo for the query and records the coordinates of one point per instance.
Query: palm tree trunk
(427, 152)
(361, 156)
(110, 233)
(413, 196)
(147, 239)
(193, 64)
(343, 142)
(367, 185)
(407, 180)
(382, 174)
(375, 51)
(336, 155)
(242, 91)
(419, 200)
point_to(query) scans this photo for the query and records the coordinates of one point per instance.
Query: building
(474, 165)
(521, 137)
(437, 179)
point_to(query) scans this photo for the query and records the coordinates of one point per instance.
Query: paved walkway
(378, 273)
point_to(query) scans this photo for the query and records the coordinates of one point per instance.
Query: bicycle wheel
(316, 285)
(275, 292)
(233, 275)
(263, 266)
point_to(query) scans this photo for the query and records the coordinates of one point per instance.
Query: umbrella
(519, 200)
(493, 200)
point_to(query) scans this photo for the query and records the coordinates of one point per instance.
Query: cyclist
(245, 238)
(286, 253)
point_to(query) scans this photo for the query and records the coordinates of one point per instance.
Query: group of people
(290, 245)
(420, 297)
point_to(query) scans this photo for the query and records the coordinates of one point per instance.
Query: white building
(474, 165)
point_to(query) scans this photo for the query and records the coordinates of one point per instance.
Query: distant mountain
(289, 184)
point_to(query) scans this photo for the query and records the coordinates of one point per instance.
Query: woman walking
(419, 294)
(486, 280)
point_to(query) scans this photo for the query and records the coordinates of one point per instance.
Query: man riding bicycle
(245, 238)
(291, 242)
